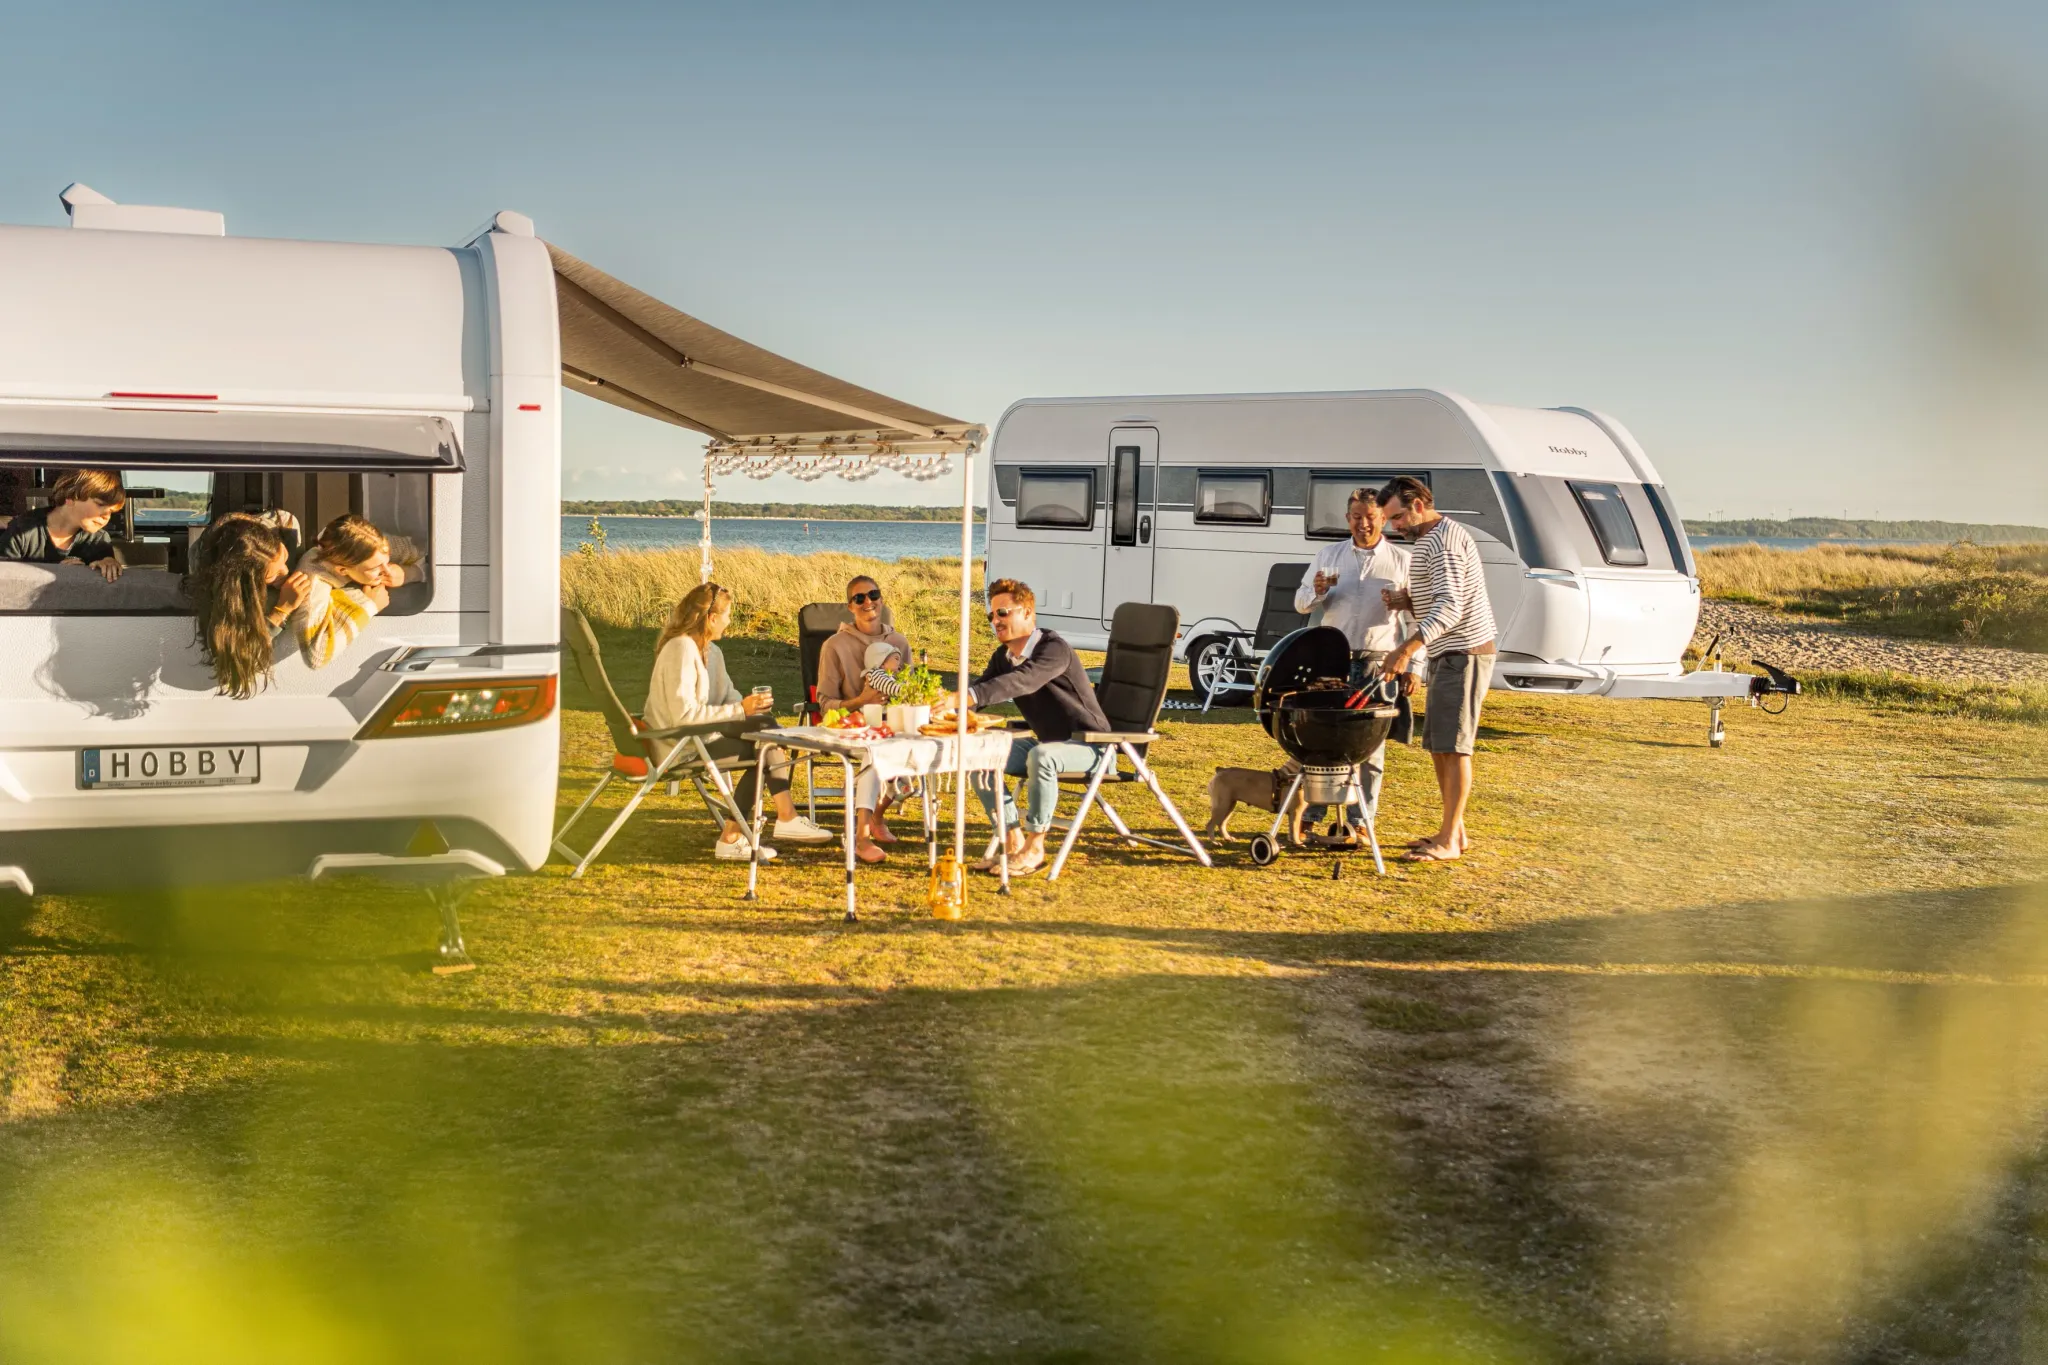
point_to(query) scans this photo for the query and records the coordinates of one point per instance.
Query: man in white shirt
(1346, 582)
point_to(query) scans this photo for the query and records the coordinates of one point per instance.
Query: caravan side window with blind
(1056, 499)
(1613, 526)
(1329, 500)
(1234, 499)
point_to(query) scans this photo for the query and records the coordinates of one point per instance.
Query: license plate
(174, 765)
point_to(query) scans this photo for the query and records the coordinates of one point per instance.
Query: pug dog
(1260, 788)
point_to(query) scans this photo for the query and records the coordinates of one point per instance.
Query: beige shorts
(1457, 686)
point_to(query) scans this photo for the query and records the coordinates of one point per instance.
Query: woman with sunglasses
(842, 682)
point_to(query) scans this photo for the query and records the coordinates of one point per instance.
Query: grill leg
(1280, 815)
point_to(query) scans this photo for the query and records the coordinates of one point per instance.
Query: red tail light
(425, 707)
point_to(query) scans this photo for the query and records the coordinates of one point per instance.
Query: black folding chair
(1130, 690)
(817, 622)
(1229, 661)
(647, 758)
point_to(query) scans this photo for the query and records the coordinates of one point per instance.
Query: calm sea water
(889, 540)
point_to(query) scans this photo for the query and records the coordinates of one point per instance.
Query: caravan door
(1133, 489)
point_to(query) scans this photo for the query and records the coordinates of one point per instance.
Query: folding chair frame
(670, 767)
(1125, 743)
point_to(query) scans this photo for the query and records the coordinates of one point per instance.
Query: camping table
(923, 757)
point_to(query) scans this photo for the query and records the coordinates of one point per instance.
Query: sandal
(1430, 853)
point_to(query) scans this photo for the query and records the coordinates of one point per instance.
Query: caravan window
(1329, 497)
(1612, 524)
(1056, 499)
(1234, 499)
(168, 508)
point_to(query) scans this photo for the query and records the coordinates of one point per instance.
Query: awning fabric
(631, 349)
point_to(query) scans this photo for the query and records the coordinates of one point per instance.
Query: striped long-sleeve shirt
(1448, 587)
(336, 609)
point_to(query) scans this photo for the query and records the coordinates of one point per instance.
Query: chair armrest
(709, 729)
(1119, 737)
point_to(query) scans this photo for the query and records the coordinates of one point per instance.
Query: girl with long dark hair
(242, 591)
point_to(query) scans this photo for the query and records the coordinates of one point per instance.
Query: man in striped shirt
(1454, 622)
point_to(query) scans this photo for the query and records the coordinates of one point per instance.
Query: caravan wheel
(1209, 666)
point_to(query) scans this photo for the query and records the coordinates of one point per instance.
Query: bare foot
(1431, 853)
(867, 851)
(879, 832)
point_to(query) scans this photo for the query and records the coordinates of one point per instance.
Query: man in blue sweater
(1040, 672)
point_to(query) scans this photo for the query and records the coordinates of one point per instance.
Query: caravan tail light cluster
(451, 708)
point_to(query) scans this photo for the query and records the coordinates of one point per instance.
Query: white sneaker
(802, 831)
(735, 851)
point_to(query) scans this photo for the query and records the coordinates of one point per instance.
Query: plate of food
(948, 723)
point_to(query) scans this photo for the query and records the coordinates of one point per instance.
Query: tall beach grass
(637, 589)
(1982, 594)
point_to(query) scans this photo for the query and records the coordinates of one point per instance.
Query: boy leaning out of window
(350, 572)
(73, 528)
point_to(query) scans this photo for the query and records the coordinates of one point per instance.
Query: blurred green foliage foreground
(1733, 1055)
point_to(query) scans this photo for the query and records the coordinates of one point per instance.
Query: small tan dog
(1259, 788)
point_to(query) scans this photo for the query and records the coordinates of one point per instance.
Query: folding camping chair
(647, 758)
(1233, 664)
(817, 622)
(1131, 689)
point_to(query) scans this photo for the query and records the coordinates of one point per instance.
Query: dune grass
(1980, 594)
(1701, 1054)
(637, 588)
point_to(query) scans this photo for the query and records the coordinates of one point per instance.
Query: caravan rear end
(415, 386)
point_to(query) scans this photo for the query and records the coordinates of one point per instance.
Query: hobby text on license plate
(170, 765)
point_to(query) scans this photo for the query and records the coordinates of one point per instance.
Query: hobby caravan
(1194, 500)
(416, 386)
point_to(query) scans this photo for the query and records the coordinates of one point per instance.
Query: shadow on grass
(1397, 1143)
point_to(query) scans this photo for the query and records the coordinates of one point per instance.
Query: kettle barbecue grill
(1305, 701)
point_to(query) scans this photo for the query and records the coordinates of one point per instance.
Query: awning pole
(704, 540)
(960, 701)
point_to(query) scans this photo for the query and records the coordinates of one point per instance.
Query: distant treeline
(1839, 528)
(796, 511)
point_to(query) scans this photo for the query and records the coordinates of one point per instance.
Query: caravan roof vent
(91, 209)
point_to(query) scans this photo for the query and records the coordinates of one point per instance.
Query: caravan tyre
(1207, 662)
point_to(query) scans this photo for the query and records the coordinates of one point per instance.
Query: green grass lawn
(1734, 1054)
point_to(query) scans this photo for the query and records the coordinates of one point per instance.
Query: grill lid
(1299, 659)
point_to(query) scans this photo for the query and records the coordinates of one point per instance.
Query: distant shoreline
(837, 521)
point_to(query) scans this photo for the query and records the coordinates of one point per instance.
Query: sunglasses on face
(1003, 613)
(861, 597)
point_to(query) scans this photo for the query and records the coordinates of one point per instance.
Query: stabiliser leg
(450, 955)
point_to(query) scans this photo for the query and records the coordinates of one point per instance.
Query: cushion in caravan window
(134, 438)
(73, 589)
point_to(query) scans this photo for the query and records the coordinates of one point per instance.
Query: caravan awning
(631, 349)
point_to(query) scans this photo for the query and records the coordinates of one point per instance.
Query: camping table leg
(754, 847)
(846, 763)
(1002, 830)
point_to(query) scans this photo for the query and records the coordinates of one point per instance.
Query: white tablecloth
(900, 755)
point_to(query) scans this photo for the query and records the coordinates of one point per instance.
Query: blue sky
(1798, 248)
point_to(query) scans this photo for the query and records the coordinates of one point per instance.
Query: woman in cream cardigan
(691, 687)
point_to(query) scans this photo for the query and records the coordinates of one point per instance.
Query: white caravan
(418, 386)
(1192, 500)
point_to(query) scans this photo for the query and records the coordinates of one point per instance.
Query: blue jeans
(1040, 764)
